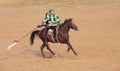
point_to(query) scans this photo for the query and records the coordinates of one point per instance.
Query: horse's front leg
(70, 47)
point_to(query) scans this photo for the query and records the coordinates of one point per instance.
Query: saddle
(51, 33)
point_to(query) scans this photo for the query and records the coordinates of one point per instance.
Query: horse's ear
(65, 20)
(71, 19)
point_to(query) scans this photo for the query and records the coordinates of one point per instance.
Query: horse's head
(71, 24)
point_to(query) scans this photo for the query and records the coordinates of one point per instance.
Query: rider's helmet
(49, 11)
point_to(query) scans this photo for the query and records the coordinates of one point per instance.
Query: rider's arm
(57, 18)
(46, 18)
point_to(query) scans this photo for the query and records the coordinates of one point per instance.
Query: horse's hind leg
(70, 47)
(42, 47)
(49, 49)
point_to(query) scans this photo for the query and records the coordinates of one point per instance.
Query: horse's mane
(65, 22)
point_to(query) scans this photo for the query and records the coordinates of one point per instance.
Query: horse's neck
(64, 28)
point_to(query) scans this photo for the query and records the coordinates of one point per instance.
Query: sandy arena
(97, 41)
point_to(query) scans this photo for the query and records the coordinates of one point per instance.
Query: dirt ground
(97, 41)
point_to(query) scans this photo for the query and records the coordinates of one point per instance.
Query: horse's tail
(36, 32)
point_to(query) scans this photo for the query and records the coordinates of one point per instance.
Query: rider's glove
(38, 25)
(54, 22)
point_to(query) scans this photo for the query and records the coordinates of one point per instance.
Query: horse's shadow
(29, 53)
(34, 53)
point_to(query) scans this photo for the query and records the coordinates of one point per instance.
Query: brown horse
(62, 35)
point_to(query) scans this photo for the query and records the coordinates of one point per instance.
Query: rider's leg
(47, 28)
(46, 32)
(54, 32)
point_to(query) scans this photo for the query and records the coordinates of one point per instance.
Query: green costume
(52, 19)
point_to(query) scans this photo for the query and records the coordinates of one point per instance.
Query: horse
(62, 35)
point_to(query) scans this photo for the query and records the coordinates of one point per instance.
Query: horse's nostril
(77, 29)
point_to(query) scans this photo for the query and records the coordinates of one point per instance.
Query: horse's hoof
(68, 51)
(47, 57)
(56, 55)
(76, 55)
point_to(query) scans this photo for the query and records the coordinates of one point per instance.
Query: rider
(51, 21)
